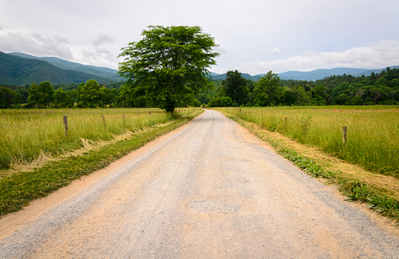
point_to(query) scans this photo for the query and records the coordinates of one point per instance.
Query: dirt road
(207, 190)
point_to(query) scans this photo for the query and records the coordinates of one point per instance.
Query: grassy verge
(378, 191)
(19, 189)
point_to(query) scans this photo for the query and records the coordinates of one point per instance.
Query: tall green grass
(24, 134)
(372, 133)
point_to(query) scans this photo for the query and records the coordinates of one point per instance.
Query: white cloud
(378, 55)
(220, 48)
(277, 51)
(274, 51)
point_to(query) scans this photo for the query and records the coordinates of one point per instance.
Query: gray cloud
(99, 57)
(103, 38)
(36, 44)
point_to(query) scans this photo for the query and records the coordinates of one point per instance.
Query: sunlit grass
(372, 133)
(24, 134)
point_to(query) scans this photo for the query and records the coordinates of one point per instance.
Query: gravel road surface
(207, 190)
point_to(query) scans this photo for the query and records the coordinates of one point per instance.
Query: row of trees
(9, 97)
(382, 88)
(47, 95)
(85, 95)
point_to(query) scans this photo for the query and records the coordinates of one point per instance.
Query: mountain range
(311, 75)
(99, 71)
(22, 69)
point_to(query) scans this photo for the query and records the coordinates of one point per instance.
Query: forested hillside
(99, 71)
(21, 71)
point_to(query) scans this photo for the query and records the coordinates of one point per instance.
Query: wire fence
(347, 135)
(54, 134)
(39, 124)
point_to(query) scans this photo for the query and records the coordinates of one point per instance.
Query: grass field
(372, 132)
(27, 134)
(18, 188)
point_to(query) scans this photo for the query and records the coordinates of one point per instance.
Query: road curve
(208, 190)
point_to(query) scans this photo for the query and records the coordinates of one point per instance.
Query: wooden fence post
(149, 113)
(124, 120)
(344, 134)
(105, 127)
(66, 125)
(285, 123)
(306, 123)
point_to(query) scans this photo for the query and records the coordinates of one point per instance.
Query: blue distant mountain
(311, 75)
(216, 76)
(322, 73)
(76, 72)
(377, 71)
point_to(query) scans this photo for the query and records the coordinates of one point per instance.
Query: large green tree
(90, 95)
(35, 96)
(7, 96)
(47, 90)
(3, 100)
(40, 95)
(267, 89)
(63, 98)
(168, 65)
(236, 87)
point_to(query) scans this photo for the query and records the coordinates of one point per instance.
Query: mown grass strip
(380, 200)
(19, 189)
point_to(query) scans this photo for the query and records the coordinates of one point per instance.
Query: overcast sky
(253, 36)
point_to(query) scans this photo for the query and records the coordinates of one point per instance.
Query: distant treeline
(85, 95)
(382, 88)
(235, 90)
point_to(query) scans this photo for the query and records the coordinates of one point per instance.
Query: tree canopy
(168, 65)
(266, 91)
(236, 87)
